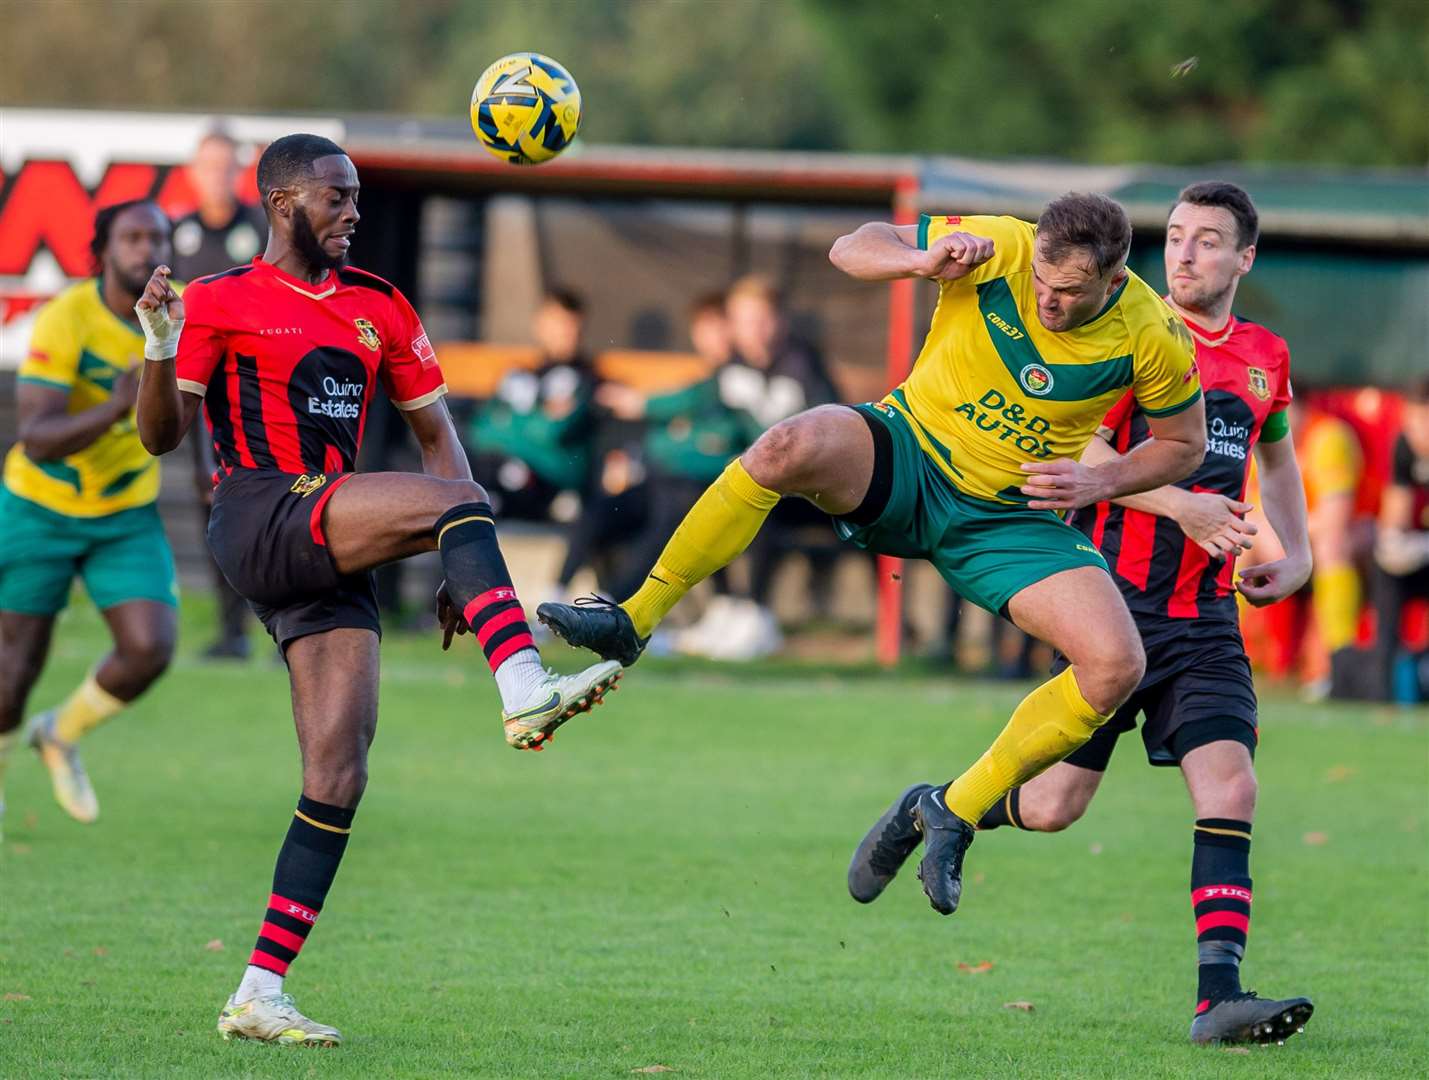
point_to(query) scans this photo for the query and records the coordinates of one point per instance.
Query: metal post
(889, 631)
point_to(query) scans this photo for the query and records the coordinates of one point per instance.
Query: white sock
(257, 983)
(519, 677)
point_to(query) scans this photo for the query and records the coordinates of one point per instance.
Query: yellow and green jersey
(81, 347)
(992, 388)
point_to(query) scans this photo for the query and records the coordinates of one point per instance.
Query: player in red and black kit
(1172, 552)
(285, 354)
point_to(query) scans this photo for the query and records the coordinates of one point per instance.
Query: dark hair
(290, 159)
(566, 299)
(104, 225)
(1093, 222)
(1230, 198)
(705, 304)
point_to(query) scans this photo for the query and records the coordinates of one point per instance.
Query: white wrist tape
(161, 333)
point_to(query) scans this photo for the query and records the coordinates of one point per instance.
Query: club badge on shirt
(1259, 383)
(367, 334)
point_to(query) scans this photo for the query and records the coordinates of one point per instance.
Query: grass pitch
(664, 887)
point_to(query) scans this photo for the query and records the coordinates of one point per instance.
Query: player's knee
(788, 456)
(456, 493)
(1108, 676)
(147, 654)
(1054, 814)
(337, 783)
(1234, 797)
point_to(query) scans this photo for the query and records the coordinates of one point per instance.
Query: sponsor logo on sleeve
(422, 348)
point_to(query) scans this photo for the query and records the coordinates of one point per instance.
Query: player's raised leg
(1220, 776)
(1050, 723)
(375, 518)
(824, 454)
(334, 679)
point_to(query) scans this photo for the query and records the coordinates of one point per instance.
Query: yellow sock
(1051, 722)
(714, 533)
(1337, 605)
(84, 710)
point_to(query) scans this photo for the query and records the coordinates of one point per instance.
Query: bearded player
(1038, 331)
(1172, 552)
(284, 354)
(78, 501)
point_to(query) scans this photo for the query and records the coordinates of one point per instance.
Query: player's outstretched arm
(1174, 451)
(878, 251)
(164, 413)
(1213, 521)
(1283, 494)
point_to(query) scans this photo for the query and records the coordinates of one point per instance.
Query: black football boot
(597, 624)
(887, 846)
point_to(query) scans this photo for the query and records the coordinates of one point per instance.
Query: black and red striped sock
(479, 583)
(1220, 898)
(307, 863)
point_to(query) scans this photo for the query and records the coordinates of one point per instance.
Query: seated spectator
(772, 376)
(1402, 545)
(691, 434)
(531, 440)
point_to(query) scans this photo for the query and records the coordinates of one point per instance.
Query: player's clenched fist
(161, 314)
(955, 255)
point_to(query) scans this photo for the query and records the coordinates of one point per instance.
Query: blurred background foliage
(1322, 81)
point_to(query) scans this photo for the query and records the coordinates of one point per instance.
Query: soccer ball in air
(525, 108)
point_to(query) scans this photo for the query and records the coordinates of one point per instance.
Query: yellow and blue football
(525, 108)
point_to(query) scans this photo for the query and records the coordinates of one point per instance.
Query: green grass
(665, 886)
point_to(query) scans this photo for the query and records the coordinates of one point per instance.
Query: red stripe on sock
(268, 962)
(315, 520)
(509, 648)
(293, 908)
(1202, 1006)
(491, 596)
(279, 936)
(1234, 919)
(498, 622)
(1219, 892)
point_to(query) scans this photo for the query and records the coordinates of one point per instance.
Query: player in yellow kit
(1038, 331)
(78, 501)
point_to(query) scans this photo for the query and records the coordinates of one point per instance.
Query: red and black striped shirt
(1245, 376)
(287, 369)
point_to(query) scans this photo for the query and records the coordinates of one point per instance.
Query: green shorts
(987, 551)
(121, 557)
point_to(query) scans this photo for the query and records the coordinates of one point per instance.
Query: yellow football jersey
(992, 388)
(81, 347)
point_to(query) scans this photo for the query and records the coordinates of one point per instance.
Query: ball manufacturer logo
(1036, 379)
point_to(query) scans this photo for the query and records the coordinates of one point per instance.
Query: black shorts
(1197, 690)
(266, 535)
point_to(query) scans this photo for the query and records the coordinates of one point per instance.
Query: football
(525, 108)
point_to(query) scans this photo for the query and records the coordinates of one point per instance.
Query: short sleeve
(52, 359)
(1283, 394)
(1165, 380)
(201, 345)
(1011, 238)
(410, 372)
